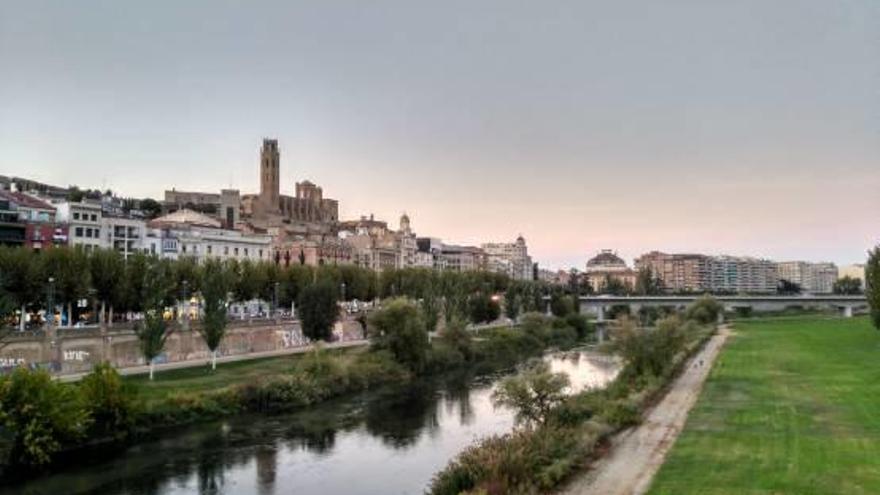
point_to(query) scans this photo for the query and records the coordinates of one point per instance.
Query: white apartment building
(85, 222)
(814, 278)
(188, 233)
(125, 235)
(742, 275)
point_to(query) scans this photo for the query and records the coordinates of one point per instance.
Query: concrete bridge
(598, 305)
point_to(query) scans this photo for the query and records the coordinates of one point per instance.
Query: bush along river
(388, 441)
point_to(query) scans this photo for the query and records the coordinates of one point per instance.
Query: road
(638, 453)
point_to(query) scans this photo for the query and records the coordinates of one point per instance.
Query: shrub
(399, 328)
(581, 324)
(561, 305)
(110, 402)
(532, 393)
(40, 414)
(535, 324)
(704, 310)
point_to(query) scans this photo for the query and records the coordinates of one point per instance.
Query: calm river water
(386, 442)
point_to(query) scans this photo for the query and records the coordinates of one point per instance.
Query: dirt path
(638, 453)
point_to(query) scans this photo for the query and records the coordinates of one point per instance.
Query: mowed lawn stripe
(792, 406)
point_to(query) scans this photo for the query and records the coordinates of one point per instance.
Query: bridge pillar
(720, 317)
(600, 313)
(847, 311)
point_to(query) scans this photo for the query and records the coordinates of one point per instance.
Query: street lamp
(50, 310)
(275, 301)
(185, 305)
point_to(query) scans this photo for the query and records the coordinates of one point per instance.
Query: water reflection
(389, 442)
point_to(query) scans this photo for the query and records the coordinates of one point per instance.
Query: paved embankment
(638, 453)
(142, 370)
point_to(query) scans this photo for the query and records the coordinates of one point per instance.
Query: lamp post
(50, 309)
(275, 302)
(185, 305)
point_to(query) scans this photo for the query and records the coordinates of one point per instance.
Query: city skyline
(708, 130)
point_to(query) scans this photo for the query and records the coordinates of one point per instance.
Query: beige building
(856, 271)
(608, 266)
(509, 258)
(678, 272)
(463, 258)
(225, 206)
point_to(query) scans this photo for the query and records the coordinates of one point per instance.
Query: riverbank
(391, 439)
(539, 458)
(275, 385)
(635, 455)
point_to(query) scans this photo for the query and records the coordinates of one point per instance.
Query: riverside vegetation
(557, 434)
(42, 419)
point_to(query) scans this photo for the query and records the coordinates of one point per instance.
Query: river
(390, 441)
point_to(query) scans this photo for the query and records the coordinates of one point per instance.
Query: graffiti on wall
(76, 355)
(292, 338)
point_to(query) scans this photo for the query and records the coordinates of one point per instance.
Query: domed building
(606, 266)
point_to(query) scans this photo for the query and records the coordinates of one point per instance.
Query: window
(210, 249)
(183, 247)
(236, 251)
(76, 215)
(261, 253)
(97, 233)
(89, 233)
(226, 250)
(94, 217)
(246, 252)
(78, 232)
(196, 249)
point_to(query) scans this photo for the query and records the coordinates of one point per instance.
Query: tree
(70, 269)
(21, 279)
(110, 402)
(151, 208)
(40, 415)
(399, 328)
(787, 287)
(482, 308)
(704, 310)
(156, 292)
(107, 270)
(848, 286)
(647, 284)
(318, 310)
(561, 305)
(872, 284)
(216, 283)
(614, 286)
(533, 393)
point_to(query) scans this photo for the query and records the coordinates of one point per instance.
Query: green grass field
(202, 379)
(792, 406)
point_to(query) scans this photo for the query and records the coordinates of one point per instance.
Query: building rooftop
(189, 217)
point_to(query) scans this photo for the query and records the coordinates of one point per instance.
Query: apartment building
(815, 278)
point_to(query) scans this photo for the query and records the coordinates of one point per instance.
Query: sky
(745, 127)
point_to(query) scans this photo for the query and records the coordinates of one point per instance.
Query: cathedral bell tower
(270, 176)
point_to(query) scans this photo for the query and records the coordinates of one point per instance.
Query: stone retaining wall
(64, 351)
